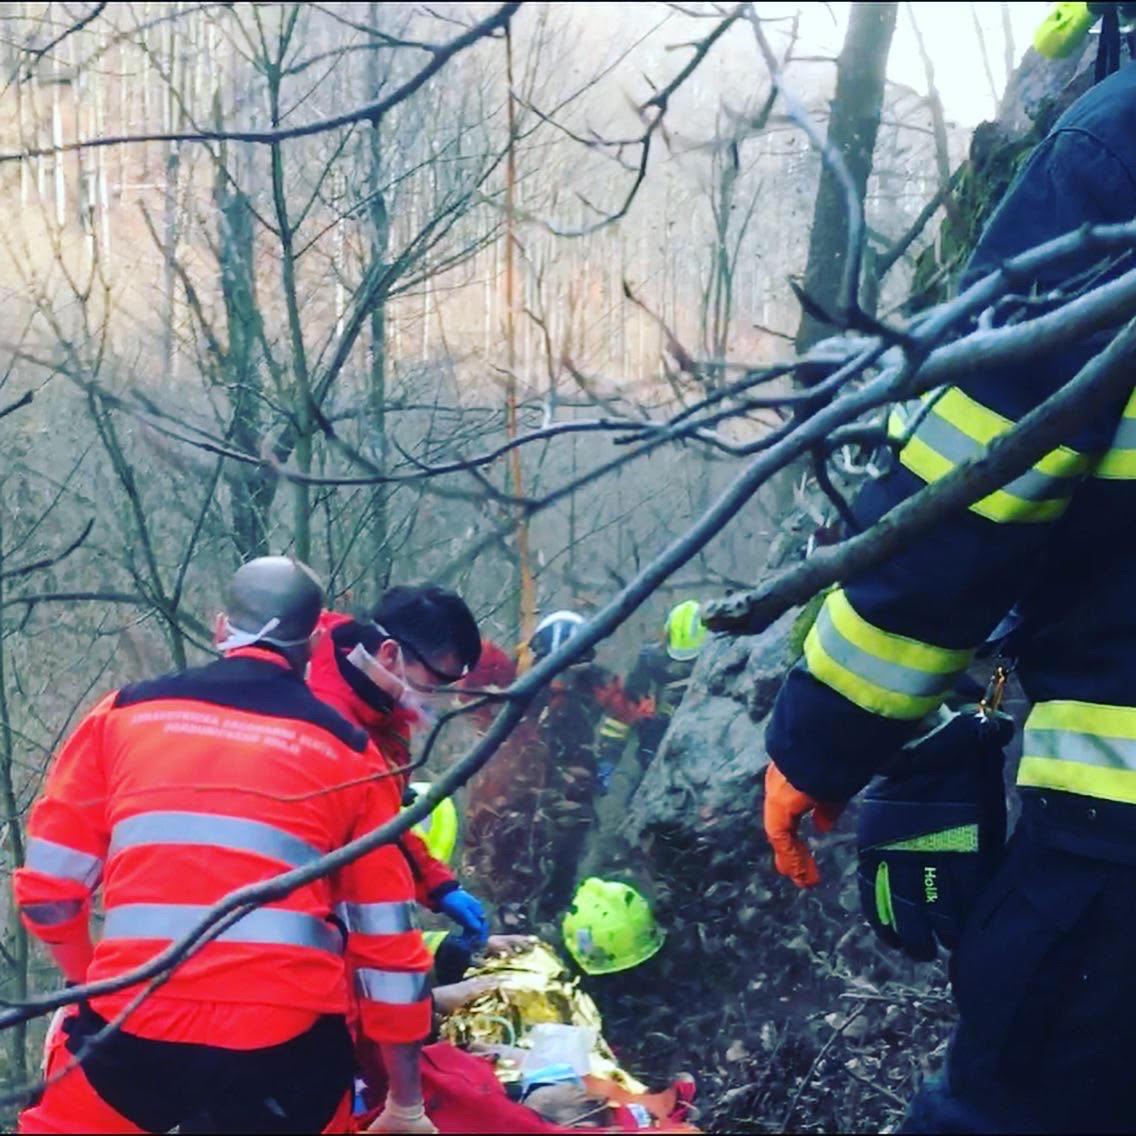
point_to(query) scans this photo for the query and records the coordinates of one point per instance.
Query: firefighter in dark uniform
(662, 673)
(1043, 972)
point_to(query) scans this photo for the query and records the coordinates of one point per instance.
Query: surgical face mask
(422, 707)
(391, 682)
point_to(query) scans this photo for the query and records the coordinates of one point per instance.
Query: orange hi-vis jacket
(177, 791)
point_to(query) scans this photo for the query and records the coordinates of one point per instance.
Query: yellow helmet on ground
(685, 631)
(439, 829)
(609, 927)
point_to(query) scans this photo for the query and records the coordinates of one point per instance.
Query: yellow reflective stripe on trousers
(1081, 747)
(1119, 464)
(886, 674)
(958, 429)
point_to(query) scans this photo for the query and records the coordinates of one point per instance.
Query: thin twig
(372, 112)
(854, 1013)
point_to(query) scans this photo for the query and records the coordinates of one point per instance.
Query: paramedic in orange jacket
(175, 792)
(379, 672)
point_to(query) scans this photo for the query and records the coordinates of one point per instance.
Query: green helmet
(685, 631)
(439, 828)
(1066, 26)
(609, 927)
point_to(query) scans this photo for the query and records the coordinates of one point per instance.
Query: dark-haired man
(379, 673)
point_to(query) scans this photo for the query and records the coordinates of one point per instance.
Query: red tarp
(462, 1095)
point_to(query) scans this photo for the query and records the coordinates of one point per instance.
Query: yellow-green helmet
(685, 631)
(609, 927)
(1063, 30)
(439, 829)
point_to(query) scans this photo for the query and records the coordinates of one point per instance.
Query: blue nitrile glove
(604, 770)
(466, 911)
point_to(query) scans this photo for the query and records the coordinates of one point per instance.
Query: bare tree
(852, 132)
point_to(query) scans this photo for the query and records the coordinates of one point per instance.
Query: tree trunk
(17, 986)
(376, 425)
(855, 121)
(252, 491)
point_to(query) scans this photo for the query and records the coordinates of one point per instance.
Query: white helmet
(553, 631)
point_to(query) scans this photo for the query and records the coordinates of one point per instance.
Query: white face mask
(421, 706)
(416, 703)
(391, 684)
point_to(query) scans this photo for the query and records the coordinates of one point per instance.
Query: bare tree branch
(372, 112)
(37, 53)
(887, 260)
(24, 400)
(49, 561)
(1102, 380)
(658, 103)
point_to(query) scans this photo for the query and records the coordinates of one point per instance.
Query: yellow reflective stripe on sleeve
(958, 429)
(1119, 464)
(898, 418)
(433, 940)
(887, 674)
(1081, 747)
(613, 728)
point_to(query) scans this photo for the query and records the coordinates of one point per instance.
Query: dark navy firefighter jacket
(891, 643)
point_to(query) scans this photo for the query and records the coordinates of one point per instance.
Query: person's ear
(390, 655)
(219, 628)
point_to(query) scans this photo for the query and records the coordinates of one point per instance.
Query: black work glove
(930, 832)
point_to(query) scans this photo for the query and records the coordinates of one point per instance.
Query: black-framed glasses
(441, 677)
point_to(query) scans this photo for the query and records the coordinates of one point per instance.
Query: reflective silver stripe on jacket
(266, 925)
(948, 440)
(398, 987)
(390, 918)
(62, 862)
(215, 831)
(890, 675)
(53, 913)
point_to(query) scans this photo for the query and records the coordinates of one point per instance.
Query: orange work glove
(784, 808)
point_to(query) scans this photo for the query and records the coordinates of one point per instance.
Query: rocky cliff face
(707, 775)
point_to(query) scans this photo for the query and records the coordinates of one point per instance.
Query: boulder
(706, 776)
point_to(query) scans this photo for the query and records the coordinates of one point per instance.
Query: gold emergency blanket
(533, 987)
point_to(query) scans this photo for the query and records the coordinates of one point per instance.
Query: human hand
(467, 912)
(409, 1119)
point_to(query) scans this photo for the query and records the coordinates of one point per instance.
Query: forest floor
(781, 1004)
